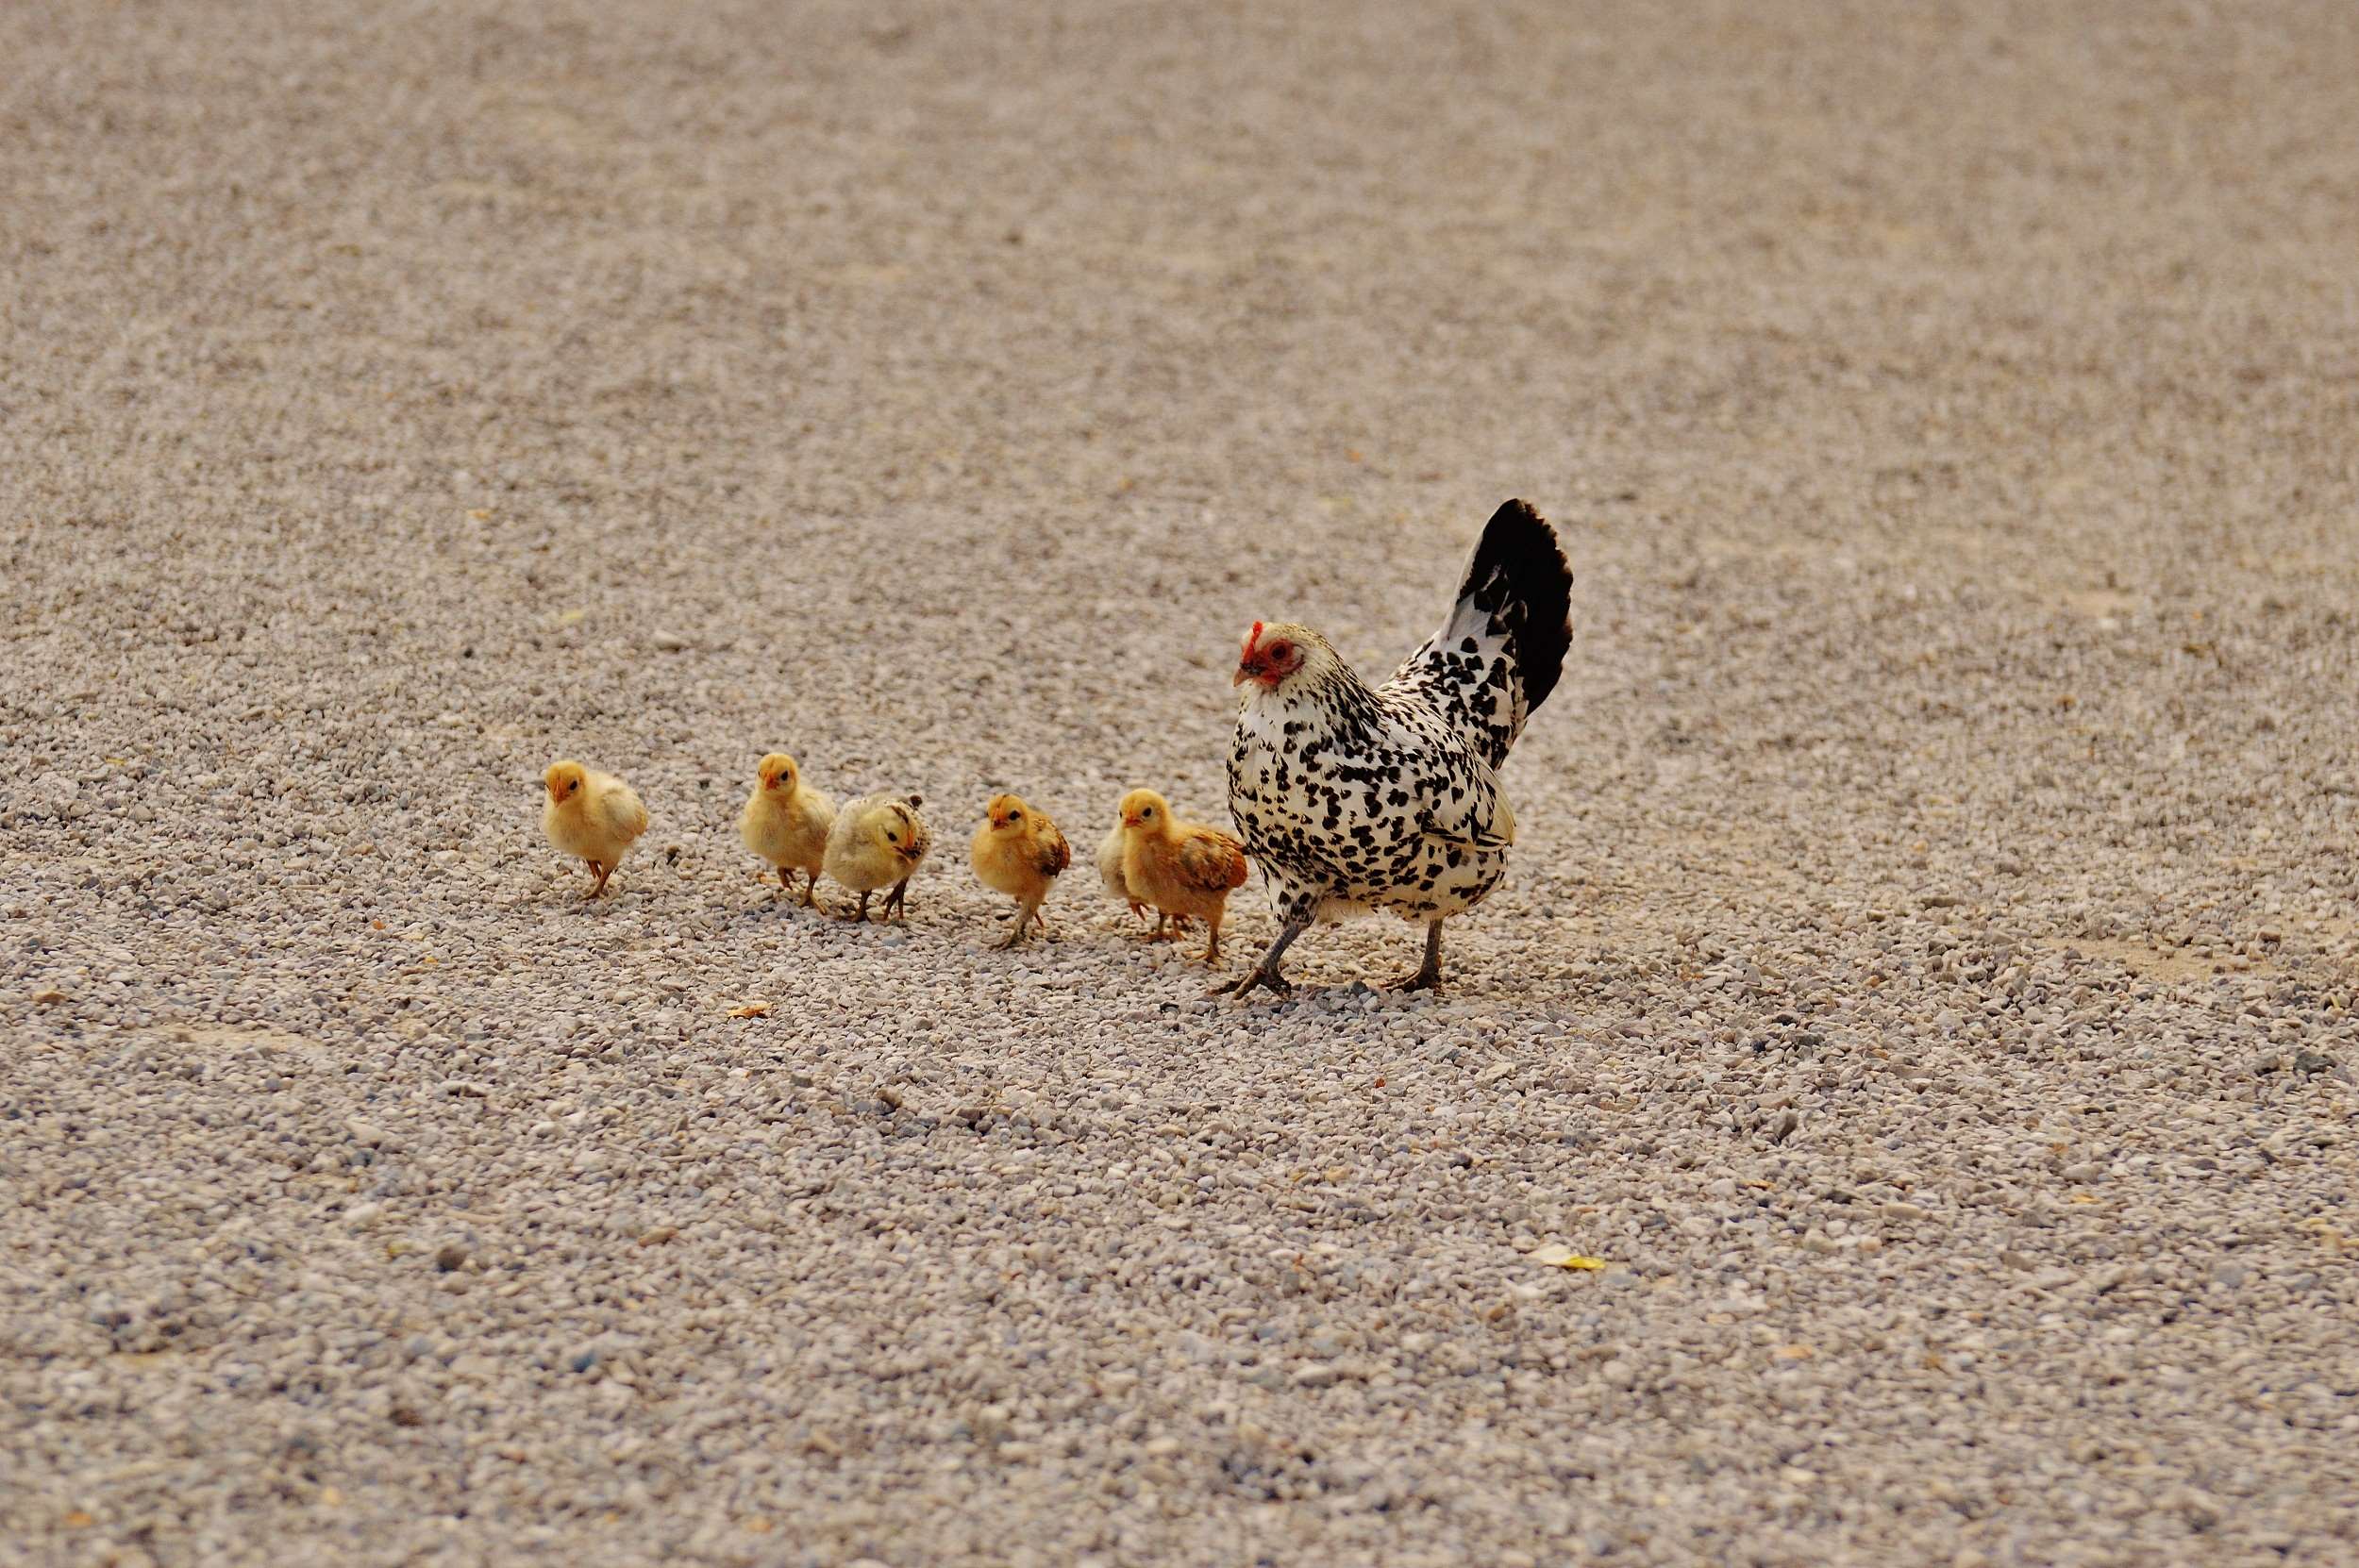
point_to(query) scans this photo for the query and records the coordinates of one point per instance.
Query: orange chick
(1181, 868)
(591, 814)
(1019, 852)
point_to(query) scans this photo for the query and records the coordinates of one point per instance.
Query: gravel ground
(1925, 978)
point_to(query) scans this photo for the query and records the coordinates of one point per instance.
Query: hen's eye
(1280, 650)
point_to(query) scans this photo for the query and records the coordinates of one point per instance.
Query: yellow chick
(590, 814)
(1183, 868)
(1109, 872)
(876, 843)
(1019, 852)
(1109, 850)
(786, 823)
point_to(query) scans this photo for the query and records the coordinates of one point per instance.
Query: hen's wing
(1211, 861)
(1465, 806)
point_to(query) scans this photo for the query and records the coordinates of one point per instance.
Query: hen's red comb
(1253, 638)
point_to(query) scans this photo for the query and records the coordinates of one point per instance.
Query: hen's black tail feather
(1519, 580)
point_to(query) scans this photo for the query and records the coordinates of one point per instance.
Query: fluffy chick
(1183, 868)
(1110, 871)
(1019, 852)
(1109, 850)
(876, 843)
(591, 814)
(786, 823)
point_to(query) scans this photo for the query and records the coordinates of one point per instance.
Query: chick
(876, 843)
(786, 823)
(1109, 872)
(590, 814)
(1183, 868)
(1019, 852)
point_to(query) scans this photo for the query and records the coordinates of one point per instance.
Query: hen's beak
(1244, 673)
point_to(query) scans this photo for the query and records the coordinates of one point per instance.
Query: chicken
(785, 822)
(1356, 798)
(877, 842)
(1109, 872)
(590, 814)
(1019, 852)
(1183, 868)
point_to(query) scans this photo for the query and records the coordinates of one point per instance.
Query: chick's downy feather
(785, 820)
(1018, 851)
(877, 842)
(1181, 868)
(591, 815)
(1109, 850)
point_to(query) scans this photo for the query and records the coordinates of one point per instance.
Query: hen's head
(1279, 652)
(777, 772)
(564, 781)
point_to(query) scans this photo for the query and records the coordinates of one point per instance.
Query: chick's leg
(785, 880)
(1298, 920)
(897, 902)
(1022, 918)
(811, 890)
(601, 871)
(1211, 951)
(1429, 974)
(860, 913)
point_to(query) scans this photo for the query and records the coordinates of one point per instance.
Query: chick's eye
(1015, 816)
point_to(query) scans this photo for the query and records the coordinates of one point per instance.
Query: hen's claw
(1254, 977)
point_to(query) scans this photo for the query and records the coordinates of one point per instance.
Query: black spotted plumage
(1354, 797)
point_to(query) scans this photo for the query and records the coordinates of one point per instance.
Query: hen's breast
(1337, 811)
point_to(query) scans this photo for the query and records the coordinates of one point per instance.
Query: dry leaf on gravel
(751, 1009)
(1558, 1256)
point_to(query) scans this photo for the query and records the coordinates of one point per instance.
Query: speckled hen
(1356, 798)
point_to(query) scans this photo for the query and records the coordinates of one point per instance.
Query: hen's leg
(1429, 974)
(1298, 920)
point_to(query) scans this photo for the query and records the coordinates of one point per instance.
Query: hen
(1355, 798)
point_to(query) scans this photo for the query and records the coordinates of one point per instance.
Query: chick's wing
(1210, 860)
(1052, 853)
